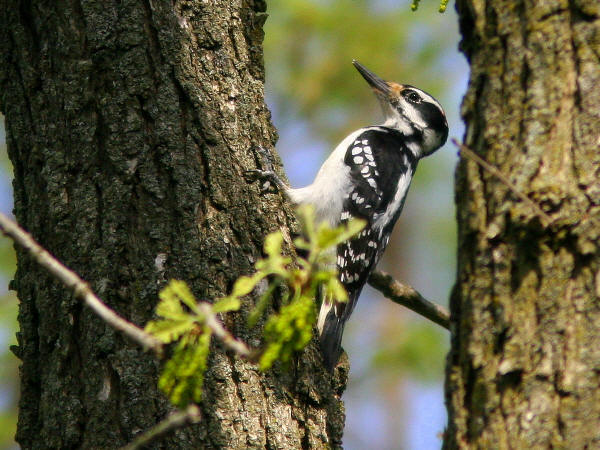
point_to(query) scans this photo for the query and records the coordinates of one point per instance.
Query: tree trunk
(130, 125)
(524, 367)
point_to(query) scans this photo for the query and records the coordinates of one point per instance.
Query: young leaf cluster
(290, 330)
(182, 321)
(303, 279)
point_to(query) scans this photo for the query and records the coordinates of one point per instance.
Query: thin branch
(175, 420)
(493, 170)
(407, 296)
(79, 287)
(239, 347)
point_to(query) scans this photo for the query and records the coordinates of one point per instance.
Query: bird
(367, 176)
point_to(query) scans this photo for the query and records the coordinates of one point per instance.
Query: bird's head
(409, 110)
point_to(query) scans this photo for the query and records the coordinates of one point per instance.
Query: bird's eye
(412, 97)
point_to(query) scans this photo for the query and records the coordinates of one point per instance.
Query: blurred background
(395, 395)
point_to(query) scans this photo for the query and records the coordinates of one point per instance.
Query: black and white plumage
(367, 176)
(381, 169)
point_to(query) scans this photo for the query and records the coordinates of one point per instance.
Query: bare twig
(79, 287)
(494, 171)
(239, 347)
(407, 296)
(175, 420)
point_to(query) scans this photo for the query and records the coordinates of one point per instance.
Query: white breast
(331, 185)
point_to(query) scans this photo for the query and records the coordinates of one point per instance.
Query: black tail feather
(331, 339)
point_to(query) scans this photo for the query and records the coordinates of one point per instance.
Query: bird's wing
(381, 172)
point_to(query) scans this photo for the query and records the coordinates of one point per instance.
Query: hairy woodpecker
(367, 176)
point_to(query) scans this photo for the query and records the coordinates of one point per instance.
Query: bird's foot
(268, 177)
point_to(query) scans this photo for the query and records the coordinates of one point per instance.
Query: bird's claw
(268, 177)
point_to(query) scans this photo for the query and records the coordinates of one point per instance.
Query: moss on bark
(523, 368)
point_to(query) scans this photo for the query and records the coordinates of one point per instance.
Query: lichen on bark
(523, 368)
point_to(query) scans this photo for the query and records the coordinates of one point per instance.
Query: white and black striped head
(409, 110)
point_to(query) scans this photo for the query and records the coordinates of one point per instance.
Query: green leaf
(262, 303)
(183, 292)
(306, 215)
(353, 227)
(302, 243)
(335, 290)
(244, 285)
(173, 293)
(328, 237)
(323, 276)
(170, 308)
(273, 243)
(269, 356)
(226, 304)
(289, 331)
(169, 330)
(183, 374)
(274, 265)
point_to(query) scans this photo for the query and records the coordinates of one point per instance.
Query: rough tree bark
(524, 367)
(129, 124)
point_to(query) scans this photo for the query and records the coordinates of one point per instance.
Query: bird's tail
(331, 328)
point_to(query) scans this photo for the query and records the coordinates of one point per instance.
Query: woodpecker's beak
(380, 86)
